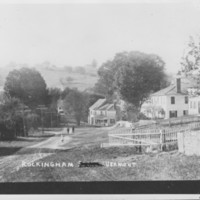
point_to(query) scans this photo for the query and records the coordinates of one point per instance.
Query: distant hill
(73, 77)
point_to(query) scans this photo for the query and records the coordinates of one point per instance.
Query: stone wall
(189, 143)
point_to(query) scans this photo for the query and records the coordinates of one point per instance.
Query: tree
(106, 83)
(11, 120)
(133, 75)
(190, 62)
(54, 95)
(65, 92)
(191, 58)
(27, 85)
(75, 105)
(140, 75)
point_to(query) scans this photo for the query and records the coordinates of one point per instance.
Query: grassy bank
(9, 147)
(160, 166)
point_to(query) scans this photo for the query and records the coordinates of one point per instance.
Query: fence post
(161, 140)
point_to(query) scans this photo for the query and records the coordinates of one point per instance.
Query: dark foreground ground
(84, 145)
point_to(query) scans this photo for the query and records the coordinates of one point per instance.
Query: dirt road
(33, 153)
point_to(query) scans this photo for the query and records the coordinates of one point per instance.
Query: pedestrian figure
(62, 138)
(73, 129)
(67, 130)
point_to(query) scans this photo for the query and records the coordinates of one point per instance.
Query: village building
(169, 102)
(194, 105)
(102, 113)
(60, 109)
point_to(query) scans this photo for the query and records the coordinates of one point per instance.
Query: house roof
(97, 104)
(171, 90)
(107, 107)
(165, 91)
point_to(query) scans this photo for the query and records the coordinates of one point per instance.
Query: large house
(169, 102)
(194, 105)
(102, 113)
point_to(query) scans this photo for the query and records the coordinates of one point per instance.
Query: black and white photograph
(99, 91)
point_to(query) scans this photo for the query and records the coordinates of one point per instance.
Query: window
(186, 100)
(172, 113)
(172, 100)
(185, 112)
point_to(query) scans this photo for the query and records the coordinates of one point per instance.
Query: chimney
(178, 85)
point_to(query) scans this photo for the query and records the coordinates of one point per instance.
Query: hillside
(79, 77)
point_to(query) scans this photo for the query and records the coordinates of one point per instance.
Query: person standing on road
(67, 130)
(73, 129)
(62, 138)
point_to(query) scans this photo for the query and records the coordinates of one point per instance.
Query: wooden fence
(150, 137)
(179, 120)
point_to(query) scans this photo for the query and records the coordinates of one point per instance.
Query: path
(33, 153)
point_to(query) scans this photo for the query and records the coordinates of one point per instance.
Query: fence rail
(181, 120)
(150, 137)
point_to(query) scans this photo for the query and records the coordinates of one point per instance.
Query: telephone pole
(42, 108)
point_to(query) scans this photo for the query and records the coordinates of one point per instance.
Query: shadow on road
(6, 151)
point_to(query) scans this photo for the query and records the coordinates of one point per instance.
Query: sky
(76, 33)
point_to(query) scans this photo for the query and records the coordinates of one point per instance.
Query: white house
(194, 105)
(102, 113)
(167, 103)
(60, 109)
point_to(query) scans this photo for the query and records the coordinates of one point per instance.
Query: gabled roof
(171, 90)
(164, 91)
(107, 107)
(97, 104)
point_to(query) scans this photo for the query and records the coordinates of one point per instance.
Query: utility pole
(42, 108)
(51, 117)
(23, 110)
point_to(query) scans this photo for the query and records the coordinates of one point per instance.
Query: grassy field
(85, 147)
(53, 77)
(163, 166)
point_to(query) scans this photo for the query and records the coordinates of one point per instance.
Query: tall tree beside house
(140, 75)
(27, 85)
(190, 62)
(75, 105)
(105, 84)
(191, 58)
(110, 71)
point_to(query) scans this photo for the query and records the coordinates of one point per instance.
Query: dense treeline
(27, 103)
